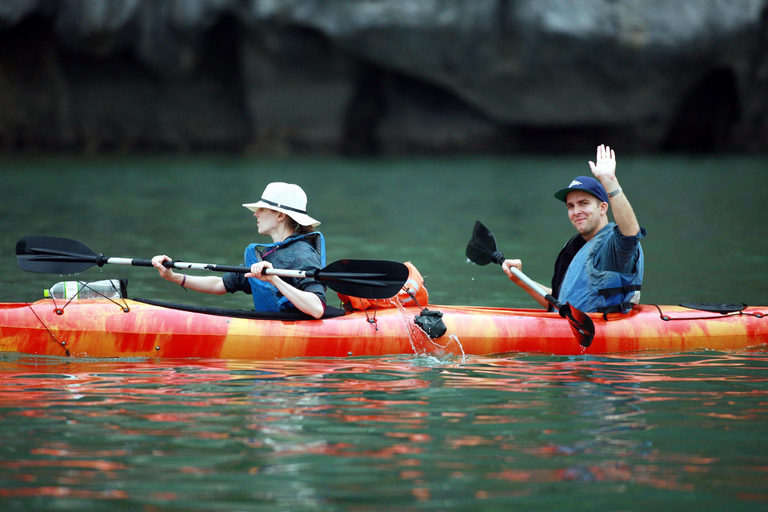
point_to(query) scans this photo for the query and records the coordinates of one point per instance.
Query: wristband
(184, 280)
(615, 192)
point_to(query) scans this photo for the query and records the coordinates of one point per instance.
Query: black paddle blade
(54, 255)
(367, 279)
(481, 249)
(581, 324)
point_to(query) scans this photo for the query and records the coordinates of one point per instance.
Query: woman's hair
(298, 229)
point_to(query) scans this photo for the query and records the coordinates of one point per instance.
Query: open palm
(606, 163)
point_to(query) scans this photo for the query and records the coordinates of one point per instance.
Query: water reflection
(382, 433)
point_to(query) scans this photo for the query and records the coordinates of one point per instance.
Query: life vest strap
(619, 290)
(616, 308)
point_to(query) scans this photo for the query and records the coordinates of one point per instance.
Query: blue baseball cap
(587, 184)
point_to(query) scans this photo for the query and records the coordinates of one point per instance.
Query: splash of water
(418, 338)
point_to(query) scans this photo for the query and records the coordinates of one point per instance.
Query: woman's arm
(306, 302)
(205, 284)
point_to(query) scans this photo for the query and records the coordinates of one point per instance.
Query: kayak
(383, 315)
(130, 328)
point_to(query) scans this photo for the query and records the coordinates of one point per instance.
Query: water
(706, 234)
(401, 433)
(528, 432)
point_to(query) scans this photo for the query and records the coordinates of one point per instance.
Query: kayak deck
(129, 328)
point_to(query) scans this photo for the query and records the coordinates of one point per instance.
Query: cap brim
(562, 194)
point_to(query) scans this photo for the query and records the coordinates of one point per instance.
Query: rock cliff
(384, 76)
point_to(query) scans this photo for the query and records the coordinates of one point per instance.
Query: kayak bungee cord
(62, 344)
(722, 310)
(123, 306)
(85, 285)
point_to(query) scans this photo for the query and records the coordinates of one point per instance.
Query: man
(601, 268)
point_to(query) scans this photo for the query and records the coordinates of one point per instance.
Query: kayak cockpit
(330, 311)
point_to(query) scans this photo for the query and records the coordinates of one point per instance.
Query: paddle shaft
(533, 285)
(582, 327)
(184, 265)
(370, 279)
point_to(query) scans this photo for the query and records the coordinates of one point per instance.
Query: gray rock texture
(384, 76)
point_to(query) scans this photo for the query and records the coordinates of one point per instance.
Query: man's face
(586, 212)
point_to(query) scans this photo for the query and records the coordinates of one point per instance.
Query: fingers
(158, 260)
(506, 264)
(165, 272)
(605, 153)
(605, 162)
(257, 269)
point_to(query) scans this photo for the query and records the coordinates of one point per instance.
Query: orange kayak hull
(103, 329)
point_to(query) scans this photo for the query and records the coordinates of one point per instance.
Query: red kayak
(131, 328)
(384, 318)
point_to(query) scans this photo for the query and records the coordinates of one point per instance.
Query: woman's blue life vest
(591, 289)
(266, 297)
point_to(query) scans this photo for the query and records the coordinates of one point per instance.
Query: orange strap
(415, 284)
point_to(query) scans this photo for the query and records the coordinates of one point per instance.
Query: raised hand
(605, 168)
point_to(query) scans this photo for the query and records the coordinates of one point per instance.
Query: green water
(403, 433)
(706, 229)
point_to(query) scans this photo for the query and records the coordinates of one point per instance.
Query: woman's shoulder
(313, 240)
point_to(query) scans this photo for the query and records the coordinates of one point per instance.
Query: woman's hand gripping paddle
(369, 279)
(482, 251)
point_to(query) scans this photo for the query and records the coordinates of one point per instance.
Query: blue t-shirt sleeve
(619, 252)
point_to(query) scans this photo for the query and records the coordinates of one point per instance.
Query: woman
(281, 214)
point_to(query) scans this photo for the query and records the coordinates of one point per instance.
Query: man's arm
(530, 291)
(605, 171)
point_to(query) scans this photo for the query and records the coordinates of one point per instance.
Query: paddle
(369, 279)
(482, 251)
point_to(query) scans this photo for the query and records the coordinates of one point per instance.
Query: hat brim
(562, 194)
(302, 218)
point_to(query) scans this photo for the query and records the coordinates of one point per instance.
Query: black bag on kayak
(431, 322)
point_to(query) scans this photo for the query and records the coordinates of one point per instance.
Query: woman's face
(268, 220)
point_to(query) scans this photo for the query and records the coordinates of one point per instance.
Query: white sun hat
(287, 198)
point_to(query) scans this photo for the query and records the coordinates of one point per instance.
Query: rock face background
(383, 76)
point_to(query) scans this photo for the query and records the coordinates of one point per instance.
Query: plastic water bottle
(107, 288)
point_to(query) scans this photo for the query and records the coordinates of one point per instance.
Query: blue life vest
(594, 290)
(266, 297)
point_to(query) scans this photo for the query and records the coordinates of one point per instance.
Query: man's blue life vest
(594, 290)
(265, 296)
